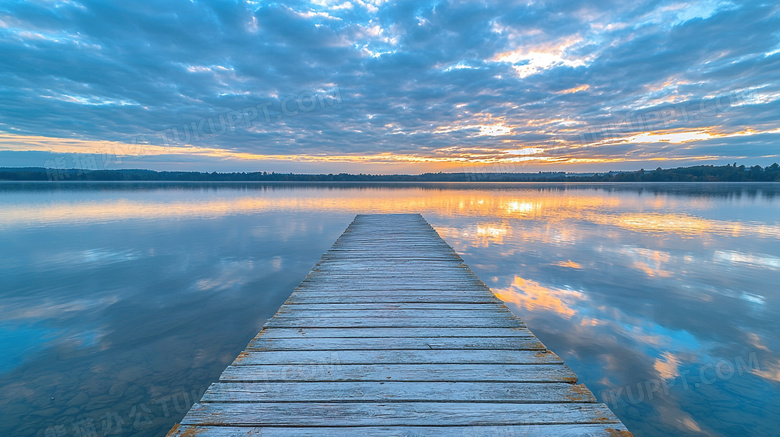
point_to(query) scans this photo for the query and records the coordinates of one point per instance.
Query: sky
(372, 86)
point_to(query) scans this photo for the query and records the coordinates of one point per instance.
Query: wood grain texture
(263, 343)
(375, 296)
(347, 333)
(393, 413)
(393, 322)
(392, 334)
(400, 372)
(398, 391)
(543, 430)
(408, 356)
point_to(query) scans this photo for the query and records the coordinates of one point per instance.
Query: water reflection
(664, 307)
(110, 325)
(121, 302)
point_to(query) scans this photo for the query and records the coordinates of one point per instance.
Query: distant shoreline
(703, 173)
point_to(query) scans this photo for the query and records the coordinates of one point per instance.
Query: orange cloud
(576, 89)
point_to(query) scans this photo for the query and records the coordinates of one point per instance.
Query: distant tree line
(700, 173)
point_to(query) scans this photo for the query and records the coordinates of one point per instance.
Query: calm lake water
(120, 303)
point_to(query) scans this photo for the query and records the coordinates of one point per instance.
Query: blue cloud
(415, 79)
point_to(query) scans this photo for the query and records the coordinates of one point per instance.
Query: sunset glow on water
(660, 297)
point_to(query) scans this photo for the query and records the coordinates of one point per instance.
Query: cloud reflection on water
(628, 284)
(662, 290)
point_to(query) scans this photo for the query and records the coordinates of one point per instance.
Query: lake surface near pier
(121, 302)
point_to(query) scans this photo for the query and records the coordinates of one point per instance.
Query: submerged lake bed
(121, 302)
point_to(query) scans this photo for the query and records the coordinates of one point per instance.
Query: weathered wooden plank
(339, 261)
(409, 232)
(262, 343)
(394, 332)
(399, 243)
(366, 267)
(440, 278)
(389, 254)
(414, 242)
(433, 276)
(444, 254)
(403, 242)
(398, 391)
(497, 313)
(431, 252)
(477, 288)
(408, 236)
(475, 291)
(385, 322)
(399, 281)
(409, 244)
(545, 430)
(416, 245)
(327, 306)
(351, 264)
(395, 413)
(398, 357)
(436, 249)
(375, 257)
(399, 286)
(416, 296)
(401, 372)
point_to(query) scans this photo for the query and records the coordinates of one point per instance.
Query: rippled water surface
(120, 303)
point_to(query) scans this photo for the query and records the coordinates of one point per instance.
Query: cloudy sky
(388, 87)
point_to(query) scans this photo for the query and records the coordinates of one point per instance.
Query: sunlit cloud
(494, 130)
(674, 138)
(526, 151)
(575, 89)
(527, 61)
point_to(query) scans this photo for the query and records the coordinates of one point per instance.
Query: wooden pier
(392, 334)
